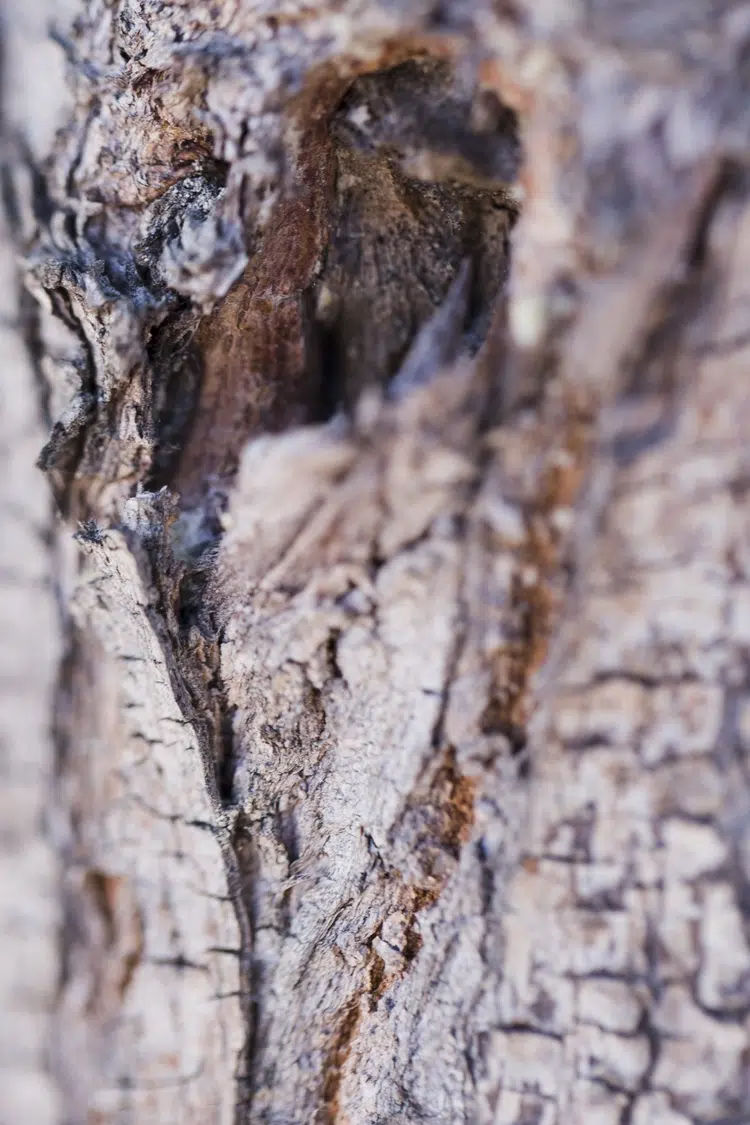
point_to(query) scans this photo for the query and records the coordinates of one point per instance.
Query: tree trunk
(377, 700)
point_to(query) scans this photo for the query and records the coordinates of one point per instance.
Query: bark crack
(190, 642)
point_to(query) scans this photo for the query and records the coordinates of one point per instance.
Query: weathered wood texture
(401, 736)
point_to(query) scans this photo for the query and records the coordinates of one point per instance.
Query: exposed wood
(395, 362)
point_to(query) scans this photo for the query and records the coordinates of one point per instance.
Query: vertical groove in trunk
(394, 362)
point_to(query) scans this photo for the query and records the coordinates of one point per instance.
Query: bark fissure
(402, 730)
(190, 642)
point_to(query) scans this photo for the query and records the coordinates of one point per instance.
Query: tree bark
(377, 698)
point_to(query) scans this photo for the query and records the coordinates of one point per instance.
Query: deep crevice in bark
(264, 352)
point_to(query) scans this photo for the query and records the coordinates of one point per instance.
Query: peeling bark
(393, 359)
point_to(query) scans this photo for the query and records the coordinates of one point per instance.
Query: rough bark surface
(393, 721)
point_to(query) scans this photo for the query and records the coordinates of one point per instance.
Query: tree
(392, 632)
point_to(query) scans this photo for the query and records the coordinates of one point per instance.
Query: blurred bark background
(376, 634)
